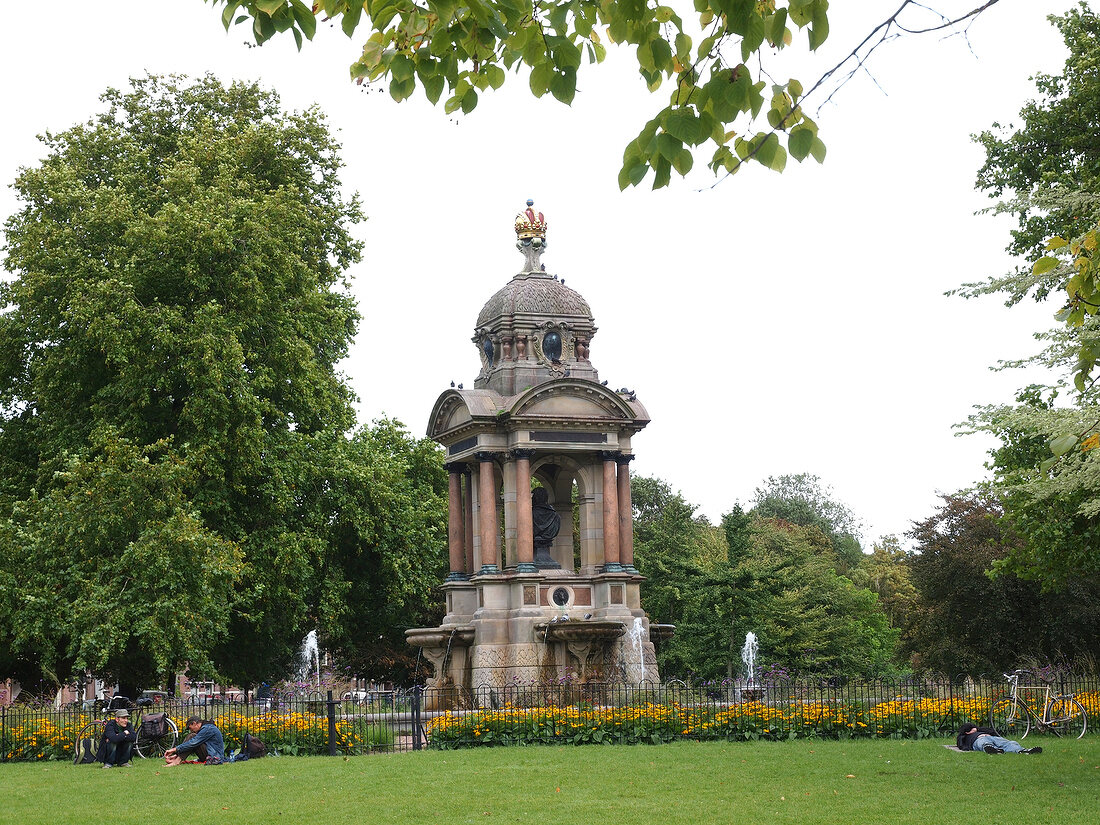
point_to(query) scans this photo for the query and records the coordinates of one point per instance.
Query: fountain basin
(430, 637)
(597, 631)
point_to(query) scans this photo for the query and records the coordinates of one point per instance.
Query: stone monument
(542, 445)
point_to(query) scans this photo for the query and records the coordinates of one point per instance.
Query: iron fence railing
(562, 712)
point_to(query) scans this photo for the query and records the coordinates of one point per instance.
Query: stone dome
(535, 328)
(534, 293)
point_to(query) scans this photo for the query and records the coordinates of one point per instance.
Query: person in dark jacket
(205, 742)
(973, 738)
(116, 747)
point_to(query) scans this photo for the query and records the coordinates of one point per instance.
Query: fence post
(3, 732)
(331, 725)
(416, 717)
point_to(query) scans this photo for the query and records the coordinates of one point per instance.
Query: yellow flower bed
(663, 722)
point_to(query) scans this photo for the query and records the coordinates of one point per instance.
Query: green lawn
(798, 782)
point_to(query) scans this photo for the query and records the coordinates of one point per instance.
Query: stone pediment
(578, 399)
(456, 409)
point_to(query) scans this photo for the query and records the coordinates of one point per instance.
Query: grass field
(804, 781)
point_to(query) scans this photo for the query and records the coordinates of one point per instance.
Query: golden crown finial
(530, 224)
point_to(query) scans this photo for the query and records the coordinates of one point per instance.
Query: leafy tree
(1052, 506)
(666, 546)
(805, 616)
(972, 623)
(388, 540)
(1055, 151)
(168, 383)
(801, 499)
(775, 578)
(885, 572)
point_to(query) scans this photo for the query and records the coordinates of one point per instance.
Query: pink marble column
(611, 563)
(468, 523)
(626, 515)
(525, 530)
(455, 549)
(488, 523)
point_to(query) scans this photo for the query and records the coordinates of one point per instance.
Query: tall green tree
(168, 379)
(387, 536)
(1056, 149)
(971, 623)
(807, 617)
(1047, 174)
(802, 499)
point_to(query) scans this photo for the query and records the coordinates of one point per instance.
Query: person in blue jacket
(205, 742)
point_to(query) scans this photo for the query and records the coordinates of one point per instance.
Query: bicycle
(156, 732)
(1062, 714)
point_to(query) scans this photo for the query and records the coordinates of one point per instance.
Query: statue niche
(545, 523)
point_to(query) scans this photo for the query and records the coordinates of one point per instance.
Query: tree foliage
(168, 383)
(806, 616)
(972, 623)
(1032, 170)
(802, 499)
(709, 62)
(387, 495)
(775, 578)
(1047, 174)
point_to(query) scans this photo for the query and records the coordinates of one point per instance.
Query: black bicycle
(156, 732)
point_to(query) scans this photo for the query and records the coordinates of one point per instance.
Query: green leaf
(1056, 243)
(495, 76)
(228, 12)
(1044, 265)
(817, 149)
(541, 75)
(800, 143)
(683, 125)
(433, 87)
(269, 7)
(563, 85)
(668, 147)
(469, 101)
(1062, 444)
(662, 173)
(819, 29)
(304, 16)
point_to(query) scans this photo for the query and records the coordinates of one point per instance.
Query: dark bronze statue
(545, 525)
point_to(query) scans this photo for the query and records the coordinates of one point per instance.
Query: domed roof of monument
(535, 293)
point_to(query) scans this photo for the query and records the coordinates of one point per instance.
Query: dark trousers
(117, 753)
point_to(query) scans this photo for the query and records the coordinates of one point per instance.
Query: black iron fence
(564, 713)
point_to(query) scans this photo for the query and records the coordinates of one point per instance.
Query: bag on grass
(85, 751)
(253, 747)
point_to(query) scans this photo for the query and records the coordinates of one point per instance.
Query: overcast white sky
(772, 324)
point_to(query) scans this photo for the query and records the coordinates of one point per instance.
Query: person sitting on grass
(973, 738)
(205, 742)
(116, 747)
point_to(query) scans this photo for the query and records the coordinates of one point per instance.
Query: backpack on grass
(85, 751)
(251, 748)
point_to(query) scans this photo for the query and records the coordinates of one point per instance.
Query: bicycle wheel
(1009, 718)
(92, 731)
(1068, 717)
(152, 746)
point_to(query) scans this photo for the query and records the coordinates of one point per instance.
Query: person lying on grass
(973, 738)
(205, 742)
